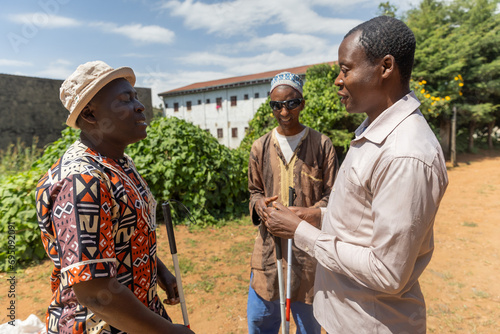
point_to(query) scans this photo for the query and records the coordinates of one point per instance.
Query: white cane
(291, 195)
(281, 283)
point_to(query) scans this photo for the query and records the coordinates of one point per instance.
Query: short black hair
(385, 35)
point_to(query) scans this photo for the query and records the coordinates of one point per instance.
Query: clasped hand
(279, 220)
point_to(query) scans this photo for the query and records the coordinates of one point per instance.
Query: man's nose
(284, 111)
(338, 81)
(139, 107)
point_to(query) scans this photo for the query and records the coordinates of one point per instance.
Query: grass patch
(186, 265)
(206, 284)
(19, 157)
(214, 259)
(480, 294)
(191, 243)
(446, 275)
(469, 224)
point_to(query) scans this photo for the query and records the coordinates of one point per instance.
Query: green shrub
(17, 209)
(182, 162)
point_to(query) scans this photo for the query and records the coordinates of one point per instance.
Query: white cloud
(137, 55)
(339, 3)
(58, 69)
(300, 42)
(44, 20)
(242, 16)
(138, 32)
(14, 63)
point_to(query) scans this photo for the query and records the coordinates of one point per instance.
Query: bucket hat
(88, 79)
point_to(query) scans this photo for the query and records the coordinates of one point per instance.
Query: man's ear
(88, 115)
(388, 66)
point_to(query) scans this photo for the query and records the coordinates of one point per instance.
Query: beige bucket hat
(88, 79)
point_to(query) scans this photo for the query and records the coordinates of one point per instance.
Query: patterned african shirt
(97, 221)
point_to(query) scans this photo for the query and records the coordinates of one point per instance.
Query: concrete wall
(31, 107)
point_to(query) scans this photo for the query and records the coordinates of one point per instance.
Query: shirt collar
(387, 121)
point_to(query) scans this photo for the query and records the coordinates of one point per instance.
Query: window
(207, 101)
(188, 105)
(166, 105)
(245, 97)
(220, 134)
(233, 101)
(176, 106)
(218, 102)
(199, 101)
(268, 93)
(234, 132)
(256, 95)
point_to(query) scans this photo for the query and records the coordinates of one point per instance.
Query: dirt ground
(460, 284)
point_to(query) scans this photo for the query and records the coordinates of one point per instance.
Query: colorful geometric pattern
(93, 213)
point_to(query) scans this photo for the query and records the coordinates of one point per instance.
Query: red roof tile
(235, 81)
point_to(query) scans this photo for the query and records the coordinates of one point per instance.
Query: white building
(223, 107)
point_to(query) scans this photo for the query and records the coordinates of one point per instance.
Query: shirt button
(307, 249)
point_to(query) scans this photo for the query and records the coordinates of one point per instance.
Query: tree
(387, 9)
(459, 38)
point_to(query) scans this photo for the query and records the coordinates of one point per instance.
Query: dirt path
(460, 284)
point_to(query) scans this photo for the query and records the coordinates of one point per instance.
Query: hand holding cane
(173, 250)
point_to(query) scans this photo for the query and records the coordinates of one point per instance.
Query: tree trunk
(491, 125)
(472, 130)
(445, 135)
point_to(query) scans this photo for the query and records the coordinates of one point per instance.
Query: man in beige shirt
(377, 232)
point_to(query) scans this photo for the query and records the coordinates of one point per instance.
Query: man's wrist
(305, 237)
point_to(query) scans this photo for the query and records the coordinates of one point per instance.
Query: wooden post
(453, 138)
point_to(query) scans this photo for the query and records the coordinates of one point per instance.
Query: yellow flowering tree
(458, 37)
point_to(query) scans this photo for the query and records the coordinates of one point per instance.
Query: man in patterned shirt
(97, 215)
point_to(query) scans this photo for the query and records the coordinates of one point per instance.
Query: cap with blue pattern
(288, 79)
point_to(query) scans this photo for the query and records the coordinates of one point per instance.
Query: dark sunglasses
(289, 104)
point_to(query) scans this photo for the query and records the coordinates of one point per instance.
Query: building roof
(243, 80)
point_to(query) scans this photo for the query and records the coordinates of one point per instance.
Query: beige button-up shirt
(377, 232)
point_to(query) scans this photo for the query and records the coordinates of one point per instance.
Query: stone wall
(31, 107)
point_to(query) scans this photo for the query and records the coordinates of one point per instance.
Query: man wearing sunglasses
(291, 155)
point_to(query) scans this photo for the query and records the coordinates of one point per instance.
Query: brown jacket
(311, 171)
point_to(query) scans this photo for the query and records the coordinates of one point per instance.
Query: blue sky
(172, 43)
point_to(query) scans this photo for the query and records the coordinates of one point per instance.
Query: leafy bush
(17, 208)
(182, 162)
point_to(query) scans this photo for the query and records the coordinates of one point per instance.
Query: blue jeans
(264, 317)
